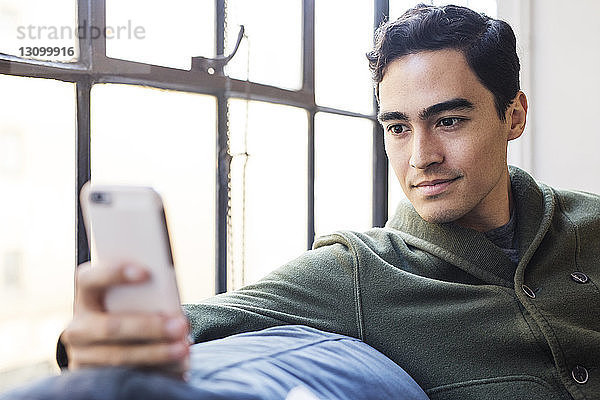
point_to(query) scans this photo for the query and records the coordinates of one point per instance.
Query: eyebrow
(449, 105)
(392, 115)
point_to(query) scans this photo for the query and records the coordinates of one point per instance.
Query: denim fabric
(267, 364)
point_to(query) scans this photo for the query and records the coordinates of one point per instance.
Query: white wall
(559, 46)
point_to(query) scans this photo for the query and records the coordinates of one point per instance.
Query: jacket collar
(469, 249)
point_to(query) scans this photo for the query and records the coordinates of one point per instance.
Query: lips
(434, 187)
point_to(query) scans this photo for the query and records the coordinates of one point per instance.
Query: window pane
(166, 140)
(344, 173)
(269, 195)
(488, 7)
(43, 30)
(158, 33)
(342, 75)
(37, 235)
(273, 43)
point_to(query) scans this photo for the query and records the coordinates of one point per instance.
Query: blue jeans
(267, 364)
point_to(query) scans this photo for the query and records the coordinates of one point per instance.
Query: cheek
(399, 161)
(396, 154)
(492, 151)
(480, 156)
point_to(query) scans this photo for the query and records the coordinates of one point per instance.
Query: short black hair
(489, 45)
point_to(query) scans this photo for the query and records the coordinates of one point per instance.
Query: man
(484, 286)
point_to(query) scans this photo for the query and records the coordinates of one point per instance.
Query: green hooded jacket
(445, 303)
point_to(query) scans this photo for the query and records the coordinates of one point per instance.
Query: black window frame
(93, 66)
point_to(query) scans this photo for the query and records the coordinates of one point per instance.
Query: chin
(439, 216)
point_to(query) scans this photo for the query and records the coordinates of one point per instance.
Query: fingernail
(175, 327)
(132, 273)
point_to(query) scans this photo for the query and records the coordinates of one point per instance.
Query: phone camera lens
(100, 197)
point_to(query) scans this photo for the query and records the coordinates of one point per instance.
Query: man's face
(445, 140)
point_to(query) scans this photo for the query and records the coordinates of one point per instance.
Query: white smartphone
(127, 224)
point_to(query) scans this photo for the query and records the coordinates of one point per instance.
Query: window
(40, 30)
(343, 169)
(37, 236)
(153, 33)
(272, 50)
(343, 35)
(166, 141)
(268, 188)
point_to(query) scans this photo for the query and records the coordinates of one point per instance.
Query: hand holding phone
(126, 308)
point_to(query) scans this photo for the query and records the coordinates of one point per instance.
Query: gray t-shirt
(504, 237)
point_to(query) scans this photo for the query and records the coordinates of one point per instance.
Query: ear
(516, 115)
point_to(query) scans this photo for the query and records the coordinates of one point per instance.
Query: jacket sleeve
(318, 289)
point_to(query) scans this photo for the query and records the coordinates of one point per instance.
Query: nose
(426, 151)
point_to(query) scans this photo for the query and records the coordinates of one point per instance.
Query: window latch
(214, 65)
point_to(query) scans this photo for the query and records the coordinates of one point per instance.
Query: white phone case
(127, 224)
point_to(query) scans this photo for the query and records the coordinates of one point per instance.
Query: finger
(131, 355)
(104, 328)
(92, 282)
(99, 277)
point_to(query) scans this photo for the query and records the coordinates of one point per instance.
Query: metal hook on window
(213, 65)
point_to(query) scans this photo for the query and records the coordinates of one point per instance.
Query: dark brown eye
(397, 129)
(448, 121)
